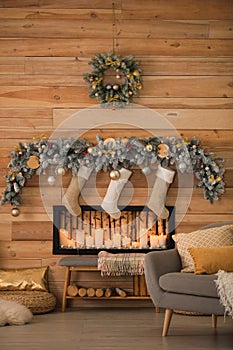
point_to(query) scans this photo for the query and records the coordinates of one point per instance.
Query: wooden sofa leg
(214, 321)
(167, 320)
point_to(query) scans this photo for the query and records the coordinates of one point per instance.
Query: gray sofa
(171, 289)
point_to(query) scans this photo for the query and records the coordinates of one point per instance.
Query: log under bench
(80, 264)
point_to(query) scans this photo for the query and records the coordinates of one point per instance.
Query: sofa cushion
(210, 237)
(212, 259)
(189, 283)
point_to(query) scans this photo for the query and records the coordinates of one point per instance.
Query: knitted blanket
(224, 285)
(120, 264)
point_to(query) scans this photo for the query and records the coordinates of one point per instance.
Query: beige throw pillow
(211, 237)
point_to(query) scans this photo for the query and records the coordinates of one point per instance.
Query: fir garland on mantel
(112, 153)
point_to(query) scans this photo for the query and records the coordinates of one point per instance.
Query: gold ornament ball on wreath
(116, 87)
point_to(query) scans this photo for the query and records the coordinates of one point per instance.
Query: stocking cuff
(125, 173)
(84, 172)
(165, 174)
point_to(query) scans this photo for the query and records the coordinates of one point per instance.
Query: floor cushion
(37, 302)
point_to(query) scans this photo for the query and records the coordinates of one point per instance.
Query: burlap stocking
(164, 178)
(70, 199)
(115, 187)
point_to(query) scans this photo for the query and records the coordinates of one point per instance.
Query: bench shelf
(139, 286)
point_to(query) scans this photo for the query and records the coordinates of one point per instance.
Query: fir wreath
(114, 94)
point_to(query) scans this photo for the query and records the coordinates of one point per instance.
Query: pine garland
(108, 154)
(113, 94)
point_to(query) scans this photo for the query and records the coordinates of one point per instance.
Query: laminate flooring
(117, 328)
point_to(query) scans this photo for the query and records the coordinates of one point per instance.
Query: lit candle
(135, 244)
(116, 240)
(162, 241)
(143, 238)
(126, 241)
(72, 243)
(154, 241)
(89, 241)
(108, 243)
(80, 234)
(99, 237)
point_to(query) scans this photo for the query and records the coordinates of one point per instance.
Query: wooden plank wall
(186, 53)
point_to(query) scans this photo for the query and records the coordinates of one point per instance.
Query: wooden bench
(82, 264)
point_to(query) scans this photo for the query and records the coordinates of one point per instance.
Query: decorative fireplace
(137, 230)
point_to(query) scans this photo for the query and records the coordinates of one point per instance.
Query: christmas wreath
(110, 155)
(126, 82)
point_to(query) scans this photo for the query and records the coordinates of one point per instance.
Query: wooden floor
(116, 328)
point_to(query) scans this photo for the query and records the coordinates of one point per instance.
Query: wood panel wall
(186, 53)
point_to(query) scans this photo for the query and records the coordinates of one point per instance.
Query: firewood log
(82, 292)
(90, 292)
(120, 292)
(72, 290)
(99, 292)
(108, 292)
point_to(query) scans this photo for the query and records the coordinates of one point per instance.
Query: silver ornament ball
(15, 212)
(182, 167)
(51, 180)
(146, 170)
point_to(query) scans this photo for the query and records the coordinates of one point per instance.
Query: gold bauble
(149, 148)
(90, 149)
(110, 140)
(15, 212)
(114, 175)
(124, 140)
(61, 171)
(116, 87)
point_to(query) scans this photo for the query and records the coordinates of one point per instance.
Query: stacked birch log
(73, 290)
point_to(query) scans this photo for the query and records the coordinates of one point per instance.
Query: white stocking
(115, 187)
(70, 199)
(164, 178)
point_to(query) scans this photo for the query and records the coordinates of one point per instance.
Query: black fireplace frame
(58, 250)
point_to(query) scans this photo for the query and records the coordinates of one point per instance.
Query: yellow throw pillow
(211, 260)
(210, 237)
(24, 279)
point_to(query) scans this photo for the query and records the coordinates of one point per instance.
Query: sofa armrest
(158, 263)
